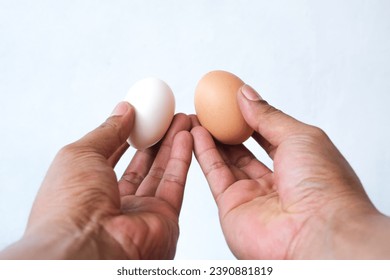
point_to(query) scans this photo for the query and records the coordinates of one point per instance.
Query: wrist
(344, 235)
(366, 237)
(60, 243)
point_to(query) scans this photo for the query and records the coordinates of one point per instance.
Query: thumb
(272, 124)
(111, 134)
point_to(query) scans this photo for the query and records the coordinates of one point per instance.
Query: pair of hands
(311, 205)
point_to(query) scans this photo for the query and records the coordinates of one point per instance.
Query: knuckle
(157, 172)
(316, 132)
(173, 178)
(215, 166)
(108, 124)
(269, 110)
(68, 151)
(115, 129)
(243, 161)
(133, 178)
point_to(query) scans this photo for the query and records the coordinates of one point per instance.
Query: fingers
(269, 148)
(194, 120)
(223, 165)
(243, 163)
(145, 171)
(136, 172)
(115, 157)
(272, 124)
(171, 187)
(217, 172)
(110, 136)
(152, 180)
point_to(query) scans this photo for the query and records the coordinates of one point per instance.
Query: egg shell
(154, 105)
(217, 108)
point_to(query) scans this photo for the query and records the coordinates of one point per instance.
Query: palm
(253, 199)
(257, 210)
(148, 226)
(263, 212)
(145, 226)
(253, 205)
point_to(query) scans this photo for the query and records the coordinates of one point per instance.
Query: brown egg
(217, 108)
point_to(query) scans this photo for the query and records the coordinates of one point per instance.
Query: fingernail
(250, 93)
(120, 109)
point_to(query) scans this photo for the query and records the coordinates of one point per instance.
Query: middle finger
(152, 180)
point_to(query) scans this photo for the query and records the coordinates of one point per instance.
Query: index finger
(171, 187)
(217, 172)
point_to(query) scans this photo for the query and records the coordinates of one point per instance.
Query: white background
(64, 65)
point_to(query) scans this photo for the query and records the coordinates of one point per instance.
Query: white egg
(154, 105)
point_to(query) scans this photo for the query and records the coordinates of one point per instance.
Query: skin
(83, 212)
(311, 205)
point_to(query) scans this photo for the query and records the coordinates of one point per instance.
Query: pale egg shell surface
(154, 105)
(217, 108)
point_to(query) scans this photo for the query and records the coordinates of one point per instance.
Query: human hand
(83, 212)
(311, 205)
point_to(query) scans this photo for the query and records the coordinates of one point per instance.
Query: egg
(217, 108)
(154, 105)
